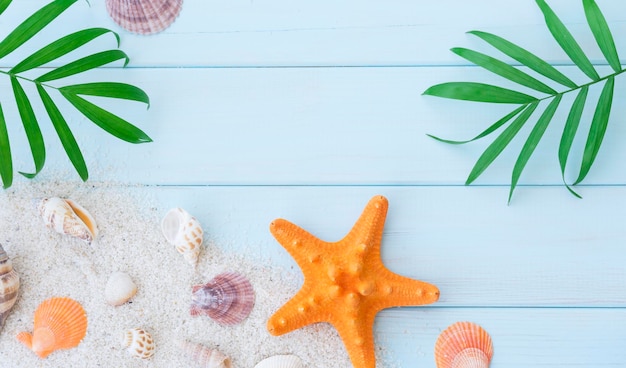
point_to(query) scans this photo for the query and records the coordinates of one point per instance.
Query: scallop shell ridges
(138, 343)
(281, 361)
(228, 298)
(68, 217)
(9, 286)
(60, 323)
(463, 345)
(144, 16)
(183, 231)
(205, 357)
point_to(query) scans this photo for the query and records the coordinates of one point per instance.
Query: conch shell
(144, 16)
(463, 345)
(9, 286)
(205, 357)
(184, 232)
(68, 217)
(60, 323)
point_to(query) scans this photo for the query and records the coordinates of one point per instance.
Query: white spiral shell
(138, 343)
(68, 217)
(9, 286)
(184, 232)
(205, 357)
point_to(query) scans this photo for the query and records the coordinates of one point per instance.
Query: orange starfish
(345, 283)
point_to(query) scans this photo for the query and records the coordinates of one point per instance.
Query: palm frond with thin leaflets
(74, 94)
(528, 103)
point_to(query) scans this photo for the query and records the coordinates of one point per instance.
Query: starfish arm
(399, 291)
(304, 247)
(368, 229)
(298, 312)
(358, 337)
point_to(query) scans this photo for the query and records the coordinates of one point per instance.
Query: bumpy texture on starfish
(345, 283)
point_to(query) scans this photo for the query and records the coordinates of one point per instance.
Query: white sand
(51, 264)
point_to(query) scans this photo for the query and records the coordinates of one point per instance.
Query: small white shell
(184, 232)
(138, 343)
(67, 217)
(281, 361)
(119, 289)
(205, 357)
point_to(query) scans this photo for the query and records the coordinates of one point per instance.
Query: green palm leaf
(73, 42)
(107, 121)
(498, 145)
(495, 126)
(602, 33)
(65, 134)
(108, 89)
(569, 132)
(31, 127)
(503, 69)
(6, 163)
(532, 142)
(598, 128)
(60, 47)
(33, 25)
(526, 58)
(480, 92)
(84, 64)
(567, 42)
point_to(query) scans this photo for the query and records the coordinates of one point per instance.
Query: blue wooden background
(304, 110)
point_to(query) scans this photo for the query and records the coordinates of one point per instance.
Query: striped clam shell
(228, 298)
(9, 286)
(144, 16)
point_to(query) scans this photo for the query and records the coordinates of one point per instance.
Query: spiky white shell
(138, 343)
(119, 289)
(68, 217)
(205, 357)
(9, 286)
(184, 232)
(281, 361)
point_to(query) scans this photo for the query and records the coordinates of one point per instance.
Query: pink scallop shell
(228, 298)
(144, 16)
(463, 345)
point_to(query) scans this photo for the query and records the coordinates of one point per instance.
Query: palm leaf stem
(584, 85)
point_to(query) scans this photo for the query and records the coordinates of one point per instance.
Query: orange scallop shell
(463, 345)
(60, 323)
(144, 16)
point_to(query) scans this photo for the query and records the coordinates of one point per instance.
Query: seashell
(119, 289)
(9, 286)
(60, 323)
(67, 217)
(281, 361)
(205, 357)
(463, 345)
(138, 343)
(228, 298)
(184, 232)
(144, 16)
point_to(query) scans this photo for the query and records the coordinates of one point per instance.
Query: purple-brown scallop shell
(228, 298)
(144, 16)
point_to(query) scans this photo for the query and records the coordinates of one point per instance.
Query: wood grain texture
(267, 109)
